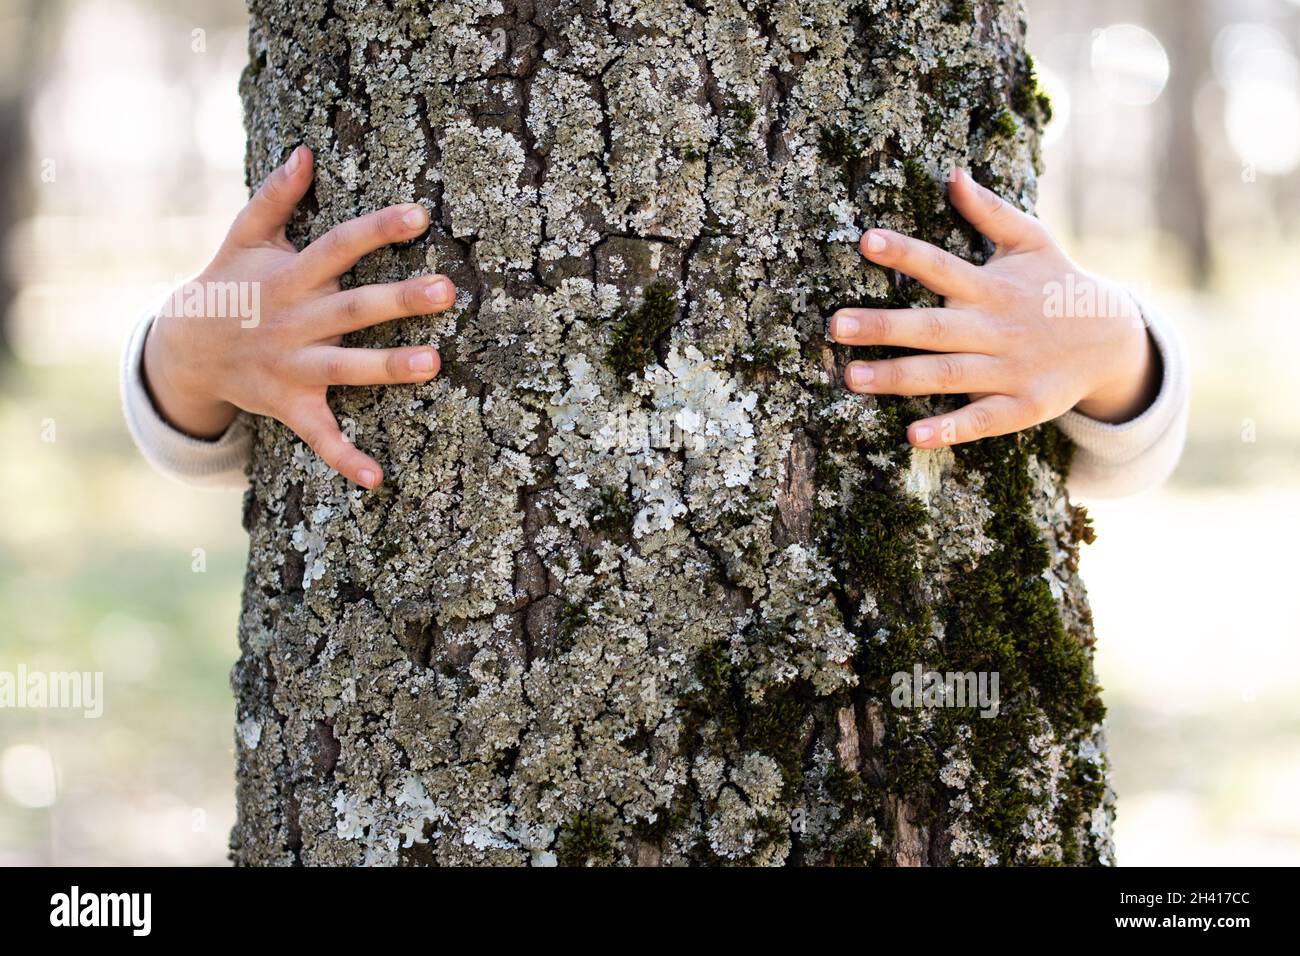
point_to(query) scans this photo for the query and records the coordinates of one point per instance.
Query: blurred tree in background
(20, 36)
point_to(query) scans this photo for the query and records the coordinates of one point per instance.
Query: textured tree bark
(642, 571)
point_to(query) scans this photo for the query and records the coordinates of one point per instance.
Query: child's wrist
(184, 409)
(1128, 393)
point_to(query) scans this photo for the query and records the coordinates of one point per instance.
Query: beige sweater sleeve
(214, 463)
(1110, 460)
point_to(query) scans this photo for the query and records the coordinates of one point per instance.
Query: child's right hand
(201, 371)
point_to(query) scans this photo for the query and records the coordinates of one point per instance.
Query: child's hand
(995, 337)
(280, 362)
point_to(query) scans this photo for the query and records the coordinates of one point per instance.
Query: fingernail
(954, 174)
(421, 362)
(368, 478)
(439, 291)
(875, 242)
(860, 375)
(295, 158)
(415, 217)
(923, 433)
(845, 326)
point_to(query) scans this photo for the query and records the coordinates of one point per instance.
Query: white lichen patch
(694, 429)
(249, 732)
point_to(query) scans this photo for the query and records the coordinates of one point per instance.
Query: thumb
(317, 426)
(272, 206)
(992, 215)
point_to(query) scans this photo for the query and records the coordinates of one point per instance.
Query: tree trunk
(642, 571)
(1181, 202)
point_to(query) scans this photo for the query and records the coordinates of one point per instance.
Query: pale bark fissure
(641, 571)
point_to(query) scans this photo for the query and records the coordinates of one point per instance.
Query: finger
(940, 272)
(369, 305)
(317, 426)
(990, 416)
(993, 216)
(332, 365)
(947, 374)
(339, 249)
(272, 206)
(938, 330)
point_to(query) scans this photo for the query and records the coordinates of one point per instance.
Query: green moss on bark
(636, 331)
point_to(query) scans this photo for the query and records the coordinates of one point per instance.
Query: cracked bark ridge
(642, 574)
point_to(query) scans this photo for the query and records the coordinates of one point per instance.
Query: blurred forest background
(1173, 162)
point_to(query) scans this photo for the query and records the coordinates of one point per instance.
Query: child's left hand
(994, 338)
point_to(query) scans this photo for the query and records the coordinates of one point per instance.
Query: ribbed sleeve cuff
(217, 463)
(1112, 460)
